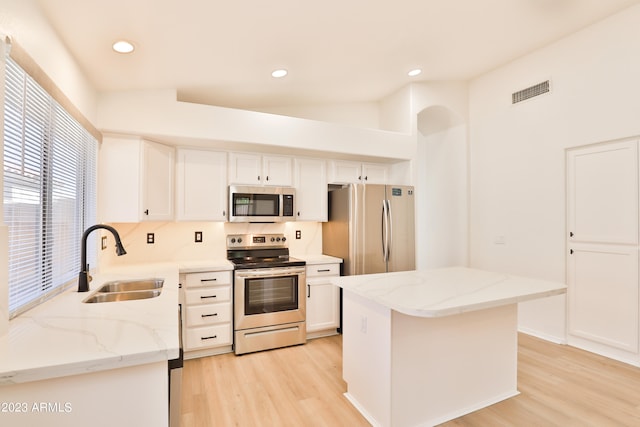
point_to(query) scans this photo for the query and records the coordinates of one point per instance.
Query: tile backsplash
(175, 241)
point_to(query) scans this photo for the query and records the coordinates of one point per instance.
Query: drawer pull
(207, 296)
(208, 280)
(209, 338)
(209, 315)
(324, 270)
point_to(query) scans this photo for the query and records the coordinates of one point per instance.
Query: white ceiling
(337, 51)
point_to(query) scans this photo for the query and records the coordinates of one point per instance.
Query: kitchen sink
(122, 296)
(131, 285)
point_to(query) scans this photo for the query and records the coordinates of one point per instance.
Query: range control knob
(277, 239)
(273, 239)
(239, 239)
(284, 239)
(233, 240)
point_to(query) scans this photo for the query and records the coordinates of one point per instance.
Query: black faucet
(83, 277)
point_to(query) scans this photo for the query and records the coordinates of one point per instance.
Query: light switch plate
(198, 237)
(151, 238)
(103, 243)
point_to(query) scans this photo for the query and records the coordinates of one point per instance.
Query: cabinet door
(322, 305)
(374, 173)
(311, 189)
(201, 185)
(120, 179)
(245, 168)
(603, 294)
(276, 170)
(602, 191)
(157, 182)
(343, 172)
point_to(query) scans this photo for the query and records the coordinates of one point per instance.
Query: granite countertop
(65, 336)
(446, 291)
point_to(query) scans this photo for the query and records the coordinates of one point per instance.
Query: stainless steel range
(269, 298)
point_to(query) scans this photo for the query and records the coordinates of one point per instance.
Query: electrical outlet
(298, 234)
(151, 238)
(103, 243)
(198, 237)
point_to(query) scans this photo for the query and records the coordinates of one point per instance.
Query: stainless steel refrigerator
(371, 227)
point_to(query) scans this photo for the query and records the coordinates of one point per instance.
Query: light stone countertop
(446, 291)
(65, 336)
(205, 265)
(318, 259)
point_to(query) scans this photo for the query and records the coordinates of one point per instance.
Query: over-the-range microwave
(261, 204)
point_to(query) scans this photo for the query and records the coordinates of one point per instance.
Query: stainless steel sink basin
(131, 285)
(123, 296)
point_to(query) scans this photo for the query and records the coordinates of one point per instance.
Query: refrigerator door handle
(385, 236)
(389, 230)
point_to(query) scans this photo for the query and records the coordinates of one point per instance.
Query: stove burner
(260, 251)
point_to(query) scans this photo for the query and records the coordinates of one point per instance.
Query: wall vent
(530, 92)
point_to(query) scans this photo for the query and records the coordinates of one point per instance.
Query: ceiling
(336, 51)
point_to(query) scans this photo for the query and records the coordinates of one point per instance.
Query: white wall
(439, 117)
(517, 153)
(23, 21)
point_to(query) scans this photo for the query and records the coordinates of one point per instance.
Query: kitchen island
(425, 347)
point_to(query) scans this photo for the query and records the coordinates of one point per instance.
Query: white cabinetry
(323, 300)
(135, 180)
(311, 189)
(602, 264)
(201, 185)
(206, 313)
(255, 169)
(345, 172)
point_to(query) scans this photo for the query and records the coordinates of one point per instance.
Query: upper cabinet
(201, 185)
(135, 180)
(345, 172)
(311, 189)
(255, 169)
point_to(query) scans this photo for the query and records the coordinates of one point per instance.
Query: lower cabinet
(323, 300)
(207, 313)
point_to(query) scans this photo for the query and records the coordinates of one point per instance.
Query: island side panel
(366, 357)
(445, 367)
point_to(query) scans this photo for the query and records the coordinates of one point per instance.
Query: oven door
(269, 296)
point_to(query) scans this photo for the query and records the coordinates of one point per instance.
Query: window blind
(50, 164)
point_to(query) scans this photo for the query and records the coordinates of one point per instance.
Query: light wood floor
(302, 386)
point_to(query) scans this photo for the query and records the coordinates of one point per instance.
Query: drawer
(207, 295)
(209, 336)
(210, 278)
(323, 270)
(208, 314)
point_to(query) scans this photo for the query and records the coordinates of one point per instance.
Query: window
(49, 190)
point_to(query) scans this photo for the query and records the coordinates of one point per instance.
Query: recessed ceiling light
(279, 73)
(123, 46)
(415, 72)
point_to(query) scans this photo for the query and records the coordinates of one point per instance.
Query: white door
(602, 240)
(603, 193)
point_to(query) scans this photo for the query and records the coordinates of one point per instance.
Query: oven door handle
(270, 272)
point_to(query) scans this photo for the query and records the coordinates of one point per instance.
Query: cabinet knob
(146, 212)
(360, 178)
(267, 178)
(224, 213)
(258, 177)
(366, 177)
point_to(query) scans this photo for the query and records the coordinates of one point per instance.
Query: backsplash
(175, 241)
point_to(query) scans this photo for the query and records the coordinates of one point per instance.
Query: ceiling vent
(530, 92)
